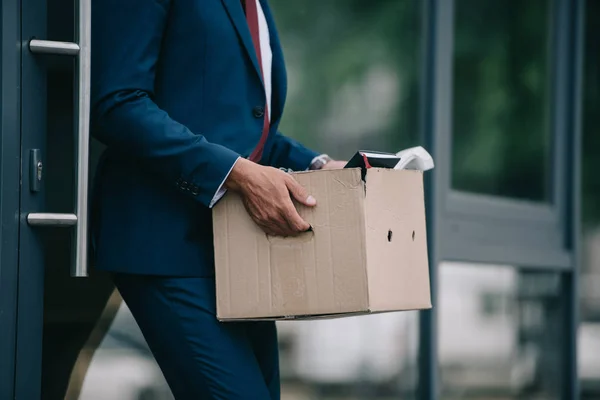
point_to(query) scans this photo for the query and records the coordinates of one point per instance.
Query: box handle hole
(413, 236)
(389, 236)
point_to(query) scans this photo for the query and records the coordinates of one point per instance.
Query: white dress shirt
(267, 63)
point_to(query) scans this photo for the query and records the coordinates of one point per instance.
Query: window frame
(485, 228)
(494, 230)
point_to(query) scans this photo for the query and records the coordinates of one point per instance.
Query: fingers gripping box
(366, 252)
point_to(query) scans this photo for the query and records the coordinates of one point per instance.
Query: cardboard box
(366, 253)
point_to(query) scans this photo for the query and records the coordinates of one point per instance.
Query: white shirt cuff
(312, 162)
(221, 190)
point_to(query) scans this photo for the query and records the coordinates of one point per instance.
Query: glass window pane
(353, 73)
(501, 136)
(500, 333)
(122, 366)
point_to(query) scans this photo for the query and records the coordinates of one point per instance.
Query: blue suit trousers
(200, 357)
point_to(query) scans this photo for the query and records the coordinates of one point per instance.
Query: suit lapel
(278, 73)
(238, 18)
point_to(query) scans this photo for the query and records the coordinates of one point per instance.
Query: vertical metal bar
(436, 123)
(82, 113)
(427, 378)
(574, 106)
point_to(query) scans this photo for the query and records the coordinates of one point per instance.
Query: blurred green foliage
(338, 53)
(354, 82)
(501, 98)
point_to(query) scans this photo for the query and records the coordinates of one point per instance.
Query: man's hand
(267, 194)
(334, 164)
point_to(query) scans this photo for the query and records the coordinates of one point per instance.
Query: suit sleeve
(289, 153)
(127, 37)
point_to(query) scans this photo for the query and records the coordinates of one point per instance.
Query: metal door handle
(79, 218)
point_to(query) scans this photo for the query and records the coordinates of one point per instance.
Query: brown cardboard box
(367, 251)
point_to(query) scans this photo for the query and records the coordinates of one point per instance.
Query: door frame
(10, 166)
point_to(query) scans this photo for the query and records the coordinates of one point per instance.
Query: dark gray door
(58, 301)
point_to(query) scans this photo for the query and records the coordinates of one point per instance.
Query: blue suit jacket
(176, 97)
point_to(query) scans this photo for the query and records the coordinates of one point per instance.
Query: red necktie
(252, 18)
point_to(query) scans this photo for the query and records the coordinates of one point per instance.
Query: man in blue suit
(188, 95)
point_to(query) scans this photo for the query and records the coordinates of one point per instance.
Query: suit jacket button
(258, 112)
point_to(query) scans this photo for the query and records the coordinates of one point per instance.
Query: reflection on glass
(501, 135)
(122, 366)
(500, 333)
(353, 73)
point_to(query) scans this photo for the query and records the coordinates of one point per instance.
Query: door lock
(39, 171)
(35, 170)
